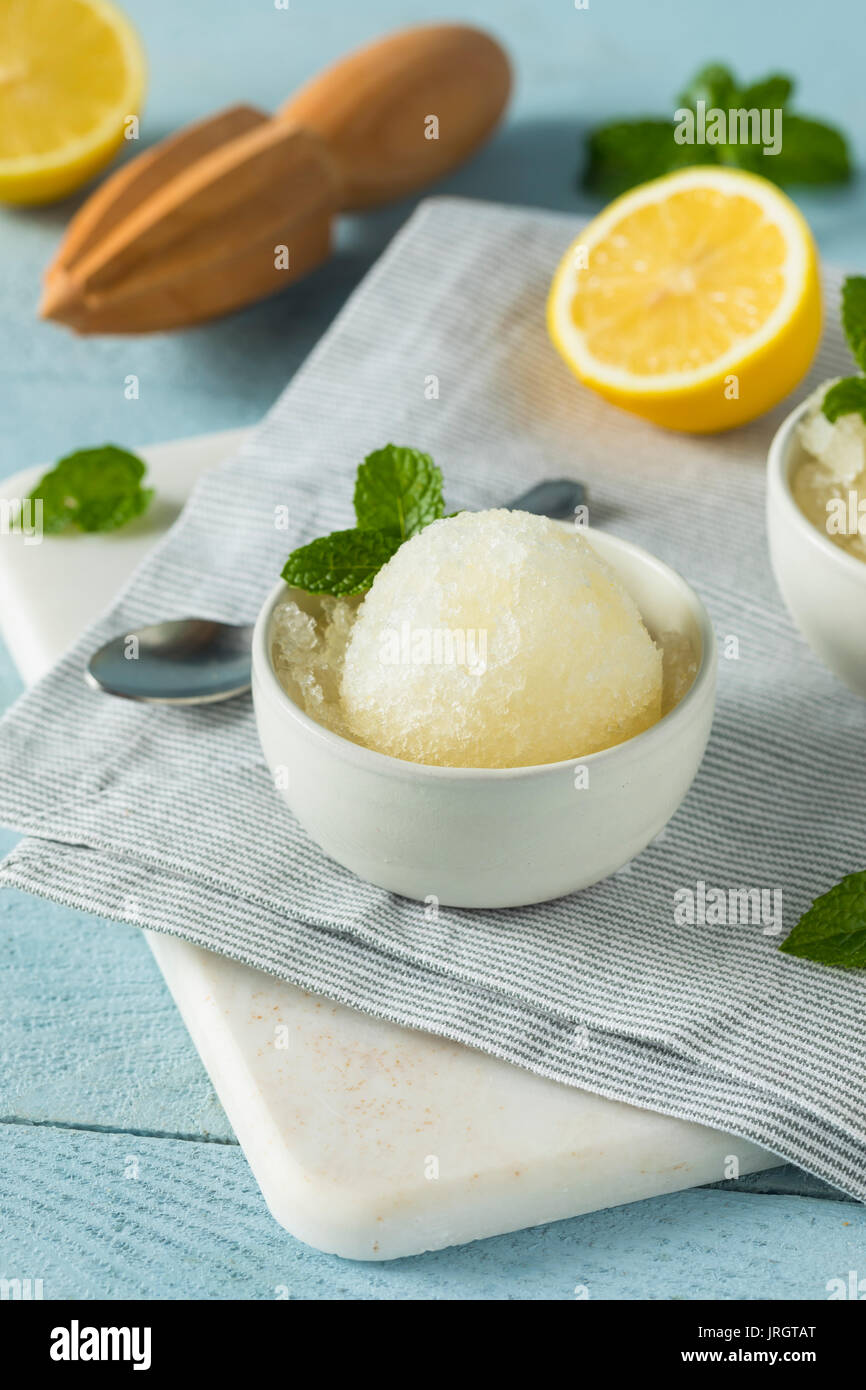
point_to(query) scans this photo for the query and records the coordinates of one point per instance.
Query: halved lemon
(692, 301)
(71, 74)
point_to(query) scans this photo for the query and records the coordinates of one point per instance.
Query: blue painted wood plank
(90, 1035)
(113, 1216)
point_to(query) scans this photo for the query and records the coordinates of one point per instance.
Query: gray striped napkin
(167, 818)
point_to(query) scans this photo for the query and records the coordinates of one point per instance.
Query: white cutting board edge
(368, 1140)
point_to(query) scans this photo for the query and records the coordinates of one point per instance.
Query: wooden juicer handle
(235, 207)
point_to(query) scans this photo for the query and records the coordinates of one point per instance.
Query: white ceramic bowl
(823, 586)
(494, 837)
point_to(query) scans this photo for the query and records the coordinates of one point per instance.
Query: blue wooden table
(119, 1175)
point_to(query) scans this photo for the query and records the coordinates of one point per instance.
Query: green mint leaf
(833, 931)
(344, 563)
(714, 84)
(854, 317)
(847, 397)
(811, 153)
(626, 153)
(630, 152)
(93, 490)
(769, 94)
(398, 489)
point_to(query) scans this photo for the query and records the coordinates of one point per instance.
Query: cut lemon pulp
(692, 301)
(71, 73)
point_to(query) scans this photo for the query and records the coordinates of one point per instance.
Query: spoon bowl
(184, 661)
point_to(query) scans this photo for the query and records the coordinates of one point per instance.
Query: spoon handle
(557, 498)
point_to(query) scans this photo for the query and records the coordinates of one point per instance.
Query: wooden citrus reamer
(190, 229)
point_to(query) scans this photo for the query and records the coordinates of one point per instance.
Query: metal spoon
(194, 661)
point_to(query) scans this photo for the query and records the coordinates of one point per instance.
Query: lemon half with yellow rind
(693, 300)
(71, 74)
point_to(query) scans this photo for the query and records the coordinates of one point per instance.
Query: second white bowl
(823, 586)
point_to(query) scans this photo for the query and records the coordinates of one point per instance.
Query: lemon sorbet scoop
(498, 639)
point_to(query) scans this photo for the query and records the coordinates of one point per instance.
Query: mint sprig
(854, 317)
(848, 396)
(628, 152)
(346, 562)
(92, 490)
(398, 491)
(833, 930)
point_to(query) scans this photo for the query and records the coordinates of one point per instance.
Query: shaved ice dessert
(490, 639)
(555, 656)
(829, 486)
